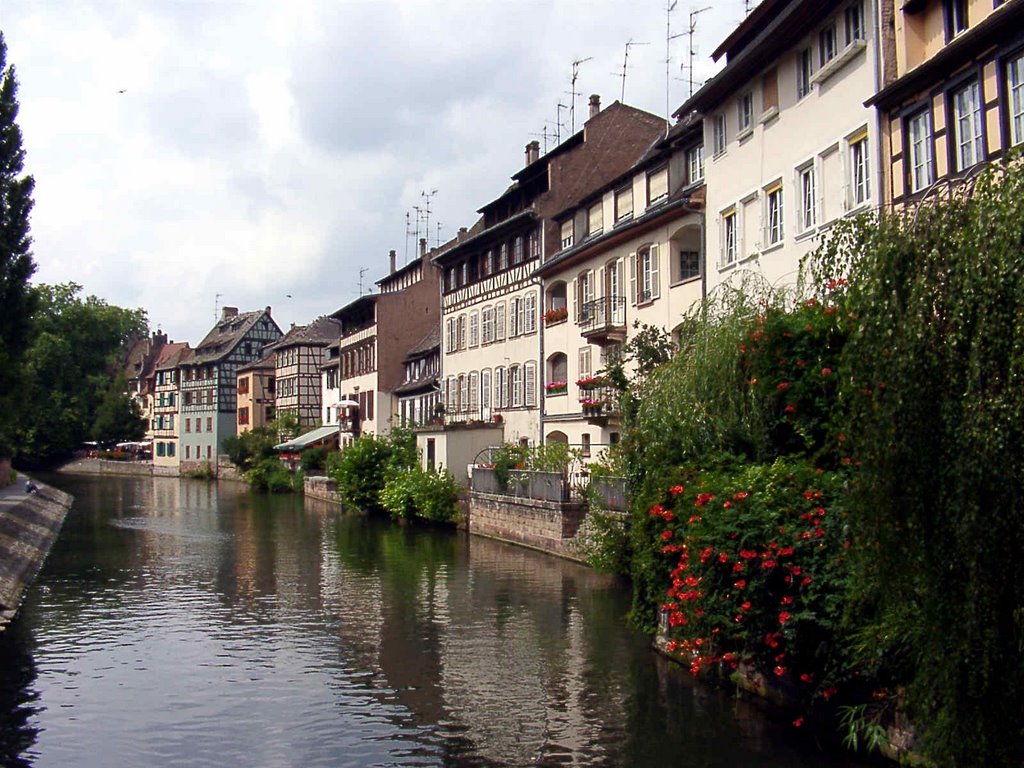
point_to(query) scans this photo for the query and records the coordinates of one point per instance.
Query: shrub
(422, 493)
(313, 458)
(269, 474)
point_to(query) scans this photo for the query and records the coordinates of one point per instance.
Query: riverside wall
(29, 524)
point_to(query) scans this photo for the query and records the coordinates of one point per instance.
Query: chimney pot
(532, 152)
(423, 247)
(595, 104)
(267, 310)
(391, 257)
(229, 312)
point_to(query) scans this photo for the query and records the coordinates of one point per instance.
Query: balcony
(600, 405)
(603, 321)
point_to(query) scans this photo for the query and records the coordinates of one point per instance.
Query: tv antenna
(559, 123)
(669, 37)
(216, 306)
(426, 211)
(408, 231)
(362, 272)
(625, 63)
(544, 136)
(572, 92)
(690, 33)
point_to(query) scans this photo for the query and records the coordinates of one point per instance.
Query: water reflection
(186, 623)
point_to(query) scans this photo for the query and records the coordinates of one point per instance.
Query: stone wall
(322, 488)
(550, 526)
(29, 524)
(108, 467)
(5, 472)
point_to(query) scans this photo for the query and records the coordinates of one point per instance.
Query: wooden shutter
(531, 384)
(632, 279)
(655, 278)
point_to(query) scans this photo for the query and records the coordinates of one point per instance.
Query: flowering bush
(592, 382)
(758, 564)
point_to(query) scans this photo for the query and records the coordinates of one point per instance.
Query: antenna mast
(690, 33)
(558, 122)
(216, 306)
(426, 212)
(669, 37)
(572, 93)
(625, 62)
(362, 271)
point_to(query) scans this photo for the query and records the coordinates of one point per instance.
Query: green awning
(308, 439)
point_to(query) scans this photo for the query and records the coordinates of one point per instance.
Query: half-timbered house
(256, 387)
(299, 354)
(165, 420)
(209, 382)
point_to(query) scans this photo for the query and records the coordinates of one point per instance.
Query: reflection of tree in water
(17, 694)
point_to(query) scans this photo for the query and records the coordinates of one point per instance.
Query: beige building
(954, 94)
(791, 146)
(638, 264)
(256, 386)
(491, 298)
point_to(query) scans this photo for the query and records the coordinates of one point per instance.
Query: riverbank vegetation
(826, 489)
(384, 473)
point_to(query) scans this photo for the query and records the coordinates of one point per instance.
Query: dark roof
(368, 298)
(747, 29)
(268, 361)
(170, 356)
(1002, 24)
(225, 336)
(427, 344)
(765, 35)
(320, 333)
(479, 234)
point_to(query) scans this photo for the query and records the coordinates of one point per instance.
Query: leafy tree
(118, 416)
(76, 346)
(16, 264)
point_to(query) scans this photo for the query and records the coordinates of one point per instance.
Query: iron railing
(606, 312)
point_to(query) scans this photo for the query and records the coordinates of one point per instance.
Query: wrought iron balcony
(603, 321)
(600, 405)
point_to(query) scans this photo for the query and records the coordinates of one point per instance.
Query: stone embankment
(108, 467)
(30, 520)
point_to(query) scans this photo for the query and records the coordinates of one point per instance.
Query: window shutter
(474, 391)
(632, 279)
(499, 322)
(521, 306)
(655, 280)
(531, 313)
(499, 381)
(531, 384)
(485, 389)
(575, 301)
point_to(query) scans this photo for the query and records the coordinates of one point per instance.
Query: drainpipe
(703, 250)
(541, 368)
(879, 151)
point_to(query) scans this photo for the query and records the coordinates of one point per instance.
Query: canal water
(184, 623)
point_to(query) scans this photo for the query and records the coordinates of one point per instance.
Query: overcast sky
(202, 152)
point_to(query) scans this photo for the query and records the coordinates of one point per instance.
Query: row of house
(823, 109)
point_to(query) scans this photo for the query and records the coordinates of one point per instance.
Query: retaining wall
(108, 467)
(551, 526)
(29, 524)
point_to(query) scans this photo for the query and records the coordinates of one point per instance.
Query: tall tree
(17, 301)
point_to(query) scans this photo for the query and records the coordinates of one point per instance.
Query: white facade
(793, 149)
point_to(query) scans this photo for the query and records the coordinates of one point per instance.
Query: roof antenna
(426, 211)
(690, 33)
(544, 135)
(575, 74)
(625, 62)
(559, 122)
(362, 271)
(669, 37)
(216, 306)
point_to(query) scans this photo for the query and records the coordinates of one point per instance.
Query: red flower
(745, 606)
(666, 535)
(703, 498)
(826, 371)
(737, 567)
(806, 678)
(789, 409)
(799, 721)
(740, 495)
(782, 386)
(675, 490)
(727, 504)
(780, 671)
(723, 558)
(784, 616)
(740, 584)
(787, 600)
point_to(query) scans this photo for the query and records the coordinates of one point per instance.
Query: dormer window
(695, 161)
(567, 233)
(657, 185)
(955, 12)
(595, 219)
(623, 204)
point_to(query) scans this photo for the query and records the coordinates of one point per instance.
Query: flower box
(556, 388)
(555, 316)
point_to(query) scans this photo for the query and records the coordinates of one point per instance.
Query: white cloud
(262, 149)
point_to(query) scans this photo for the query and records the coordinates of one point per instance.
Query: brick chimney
(423, 247)
(267, 310)
(228, 312)
(462, 233)
(595, 104)
(391, 258)
(532, 152)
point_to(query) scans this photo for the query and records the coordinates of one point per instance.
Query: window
(463, 392)
(474, 392)
(807, 188)
(461, 331)
(584, 362)
(487, 325)
(854, 22)
(828, 46)
(695, 161)
(920, 160)
(657, 185)
(188, 425)
(769, 93)
(514, 314)
(860, 177)
(623, 204)
(517, 250)
(209, 423)
(645, 277)
(530, 313)
(516, 374)
(452, 343)
(500, 387)
(1015, 87)
(689, 264)
(955, 12)
(170, 449)
(718, 134)
(503, 257)
(530, 384)
(804, 70)
(243, 415)
(567, 233)
(585, 444)
(584, 295)
(499, 321)
(474, 329)
(967, 138)
(729, 224)
(487, 264)
(188, 451)
(485, 389)
(745, 111)
(595, 219)
(773, 214)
